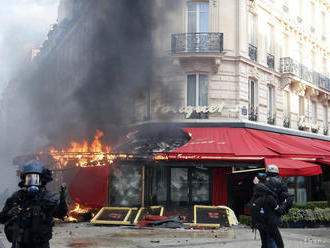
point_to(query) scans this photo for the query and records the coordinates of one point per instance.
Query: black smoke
(97, 76)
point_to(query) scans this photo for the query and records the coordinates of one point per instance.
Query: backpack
(258, 211)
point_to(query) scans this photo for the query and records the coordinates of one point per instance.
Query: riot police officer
(28, 214)
(273, 181)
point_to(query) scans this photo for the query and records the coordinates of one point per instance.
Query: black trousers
(268, 232)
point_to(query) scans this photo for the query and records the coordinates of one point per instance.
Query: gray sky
(24, 25)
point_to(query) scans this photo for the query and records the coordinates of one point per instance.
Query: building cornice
(232, 124)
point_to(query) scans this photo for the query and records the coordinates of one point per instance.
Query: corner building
(249, 82)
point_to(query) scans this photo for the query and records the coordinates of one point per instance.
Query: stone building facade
(264, 61)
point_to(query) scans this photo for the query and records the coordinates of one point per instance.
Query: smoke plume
(96, 75)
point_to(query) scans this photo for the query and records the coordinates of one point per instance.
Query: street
(88, 235)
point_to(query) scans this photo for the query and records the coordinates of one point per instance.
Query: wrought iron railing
(288, 65)
(314, 130)
(325, 131)
(270, 61)
(286, 120)
(197, 42)
(253, 113)
(253, 52)
(271, 117)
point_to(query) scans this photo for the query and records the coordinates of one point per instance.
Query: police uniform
(28, 214)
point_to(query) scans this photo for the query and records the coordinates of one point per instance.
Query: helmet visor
(32, 180)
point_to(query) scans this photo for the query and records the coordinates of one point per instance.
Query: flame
(84, 154)
(73, 213)
(160, 157)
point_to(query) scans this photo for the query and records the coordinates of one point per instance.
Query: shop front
(209, 165)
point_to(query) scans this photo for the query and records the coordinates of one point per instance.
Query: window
(125, 190)
(252, 91)
(271, 97)
(198, 17)
(252, 32)
(286, 109)
(197, 90)
(301, 106)
(314, 112)
(271, 103)
(252, 36)
(286, 46)
(325, 115)
(269, 39)
(270, 46)
(286, 102)
(297, 186)
(325, 120)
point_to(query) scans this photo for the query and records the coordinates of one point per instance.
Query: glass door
(200, 186)
(179, 187)
(197, 26)
(190, 186)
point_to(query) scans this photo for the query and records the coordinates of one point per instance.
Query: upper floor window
(325, 120)
(270, 39)
(286, 102)
(325, 115)
(271, 105)
(286, 108)
(270, 47)
(314, 112)
(271, 99)
(301, 106)
(252, 92)
(198, 17)
(252, 29)
(197, 90)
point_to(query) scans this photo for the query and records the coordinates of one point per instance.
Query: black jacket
(284, 199)
(30, 219)
(270, 203)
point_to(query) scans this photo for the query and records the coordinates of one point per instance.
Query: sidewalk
(87, 235)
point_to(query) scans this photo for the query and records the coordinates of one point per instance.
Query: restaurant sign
(189, 110)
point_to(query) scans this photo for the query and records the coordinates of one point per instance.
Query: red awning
(290, 146)
(324, 161)
(89, 186)
(322, 144)
(291, 167)
(221, 144)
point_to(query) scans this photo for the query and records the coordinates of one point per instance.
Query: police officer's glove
(14, 211)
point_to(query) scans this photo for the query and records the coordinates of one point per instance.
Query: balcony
(288, 65)
(197, 43)
(286, 120)
(253, 113)
(271, 117)
(253, 52)
(270, 61)
(198, 51)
